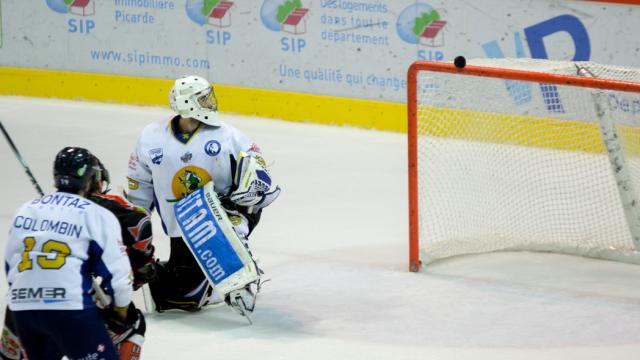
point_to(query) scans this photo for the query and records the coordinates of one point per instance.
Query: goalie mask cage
(523, 154)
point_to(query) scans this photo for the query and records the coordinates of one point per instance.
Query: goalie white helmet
(193, 97)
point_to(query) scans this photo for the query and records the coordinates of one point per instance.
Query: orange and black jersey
(136, 234)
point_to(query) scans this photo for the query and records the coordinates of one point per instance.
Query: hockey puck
(460, 62)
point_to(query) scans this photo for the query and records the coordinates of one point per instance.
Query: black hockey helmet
(74, 169)
(101, 181)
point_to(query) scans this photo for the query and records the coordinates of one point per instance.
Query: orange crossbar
(524, 75)
(629, 2)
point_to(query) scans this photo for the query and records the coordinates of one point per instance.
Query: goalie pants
(180, 281)
(50, 334)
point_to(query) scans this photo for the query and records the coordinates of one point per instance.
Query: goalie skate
(243, 301)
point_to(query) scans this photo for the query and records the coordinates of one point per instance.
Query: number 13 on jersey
(55, 253)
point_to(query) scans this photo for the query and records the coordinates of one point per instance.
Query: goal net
(523, 154)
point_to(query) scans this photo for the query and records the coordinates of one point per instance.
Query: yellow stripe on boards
(512, 129)
(82, 86)
(276, 104)
(381, 115)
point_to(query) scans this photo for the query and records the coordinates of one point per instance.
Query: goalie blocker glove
(253, 183)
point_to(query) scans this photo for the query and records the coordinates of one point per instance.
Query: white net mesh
(518, 165)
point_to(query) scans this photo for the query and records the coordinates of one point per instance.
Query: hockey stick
(21, 160)
(149, 305)
(101, 297)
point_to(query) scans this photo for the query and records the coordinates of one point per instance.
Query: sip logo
(215, 13)
(287, 16)
(45, 295)
(423, 25)
(81, 8)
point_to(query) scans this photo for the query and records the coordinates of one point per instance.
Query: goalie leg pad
(240, 223)
(216, 247)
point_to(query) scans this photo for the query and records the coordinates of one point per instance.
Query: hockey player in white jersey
(57, 244)
(128, 336)
(174, 158)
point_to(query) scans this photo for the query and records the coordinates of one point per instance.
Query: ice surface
(335, 246)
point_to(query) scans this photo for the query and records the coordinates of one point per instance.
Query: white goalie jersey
(166, 166)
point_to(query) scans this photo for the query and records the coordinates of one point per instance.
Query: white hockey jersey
(166, 166)
(56, 243)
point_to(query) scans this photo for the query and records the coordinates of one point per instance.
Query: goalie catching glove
(253, 183)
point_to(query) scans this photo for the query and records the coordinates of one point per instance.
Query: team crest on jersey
(186, 157)
(187, 180)
(156, 155)
(212, 148)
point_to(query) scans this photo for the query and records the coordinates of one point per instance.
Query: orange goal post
(523, 155)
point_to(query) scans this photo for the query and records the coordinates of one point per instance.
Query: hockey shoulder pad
(210, 236)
